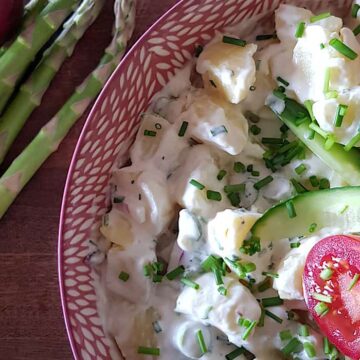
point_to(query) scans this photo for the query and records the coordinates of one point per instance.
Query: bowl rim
(60, 260)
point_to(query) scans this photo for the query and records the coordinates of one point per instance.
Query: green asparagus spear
(31, 93)
(50, 136)
(31, 11)
(24, 49)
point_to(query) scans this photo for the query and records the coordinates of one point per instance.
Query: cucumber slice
(337, 208)
(345, 163)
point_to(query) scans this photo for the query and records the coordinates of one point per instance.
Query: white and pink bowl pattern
(111, 129)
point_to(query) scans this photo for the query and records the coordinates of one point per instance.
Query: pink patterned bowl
(111, 129)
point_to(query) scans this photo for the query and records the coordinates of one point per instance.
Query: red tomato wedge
(331, 284)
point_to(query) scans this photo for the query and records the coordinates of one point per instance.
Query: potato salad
(233, 228)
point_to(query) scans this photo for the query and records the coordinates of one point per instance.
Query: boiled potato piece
(228, 70)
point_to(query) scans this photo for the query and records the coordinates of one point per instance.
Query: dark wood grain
(31, 324)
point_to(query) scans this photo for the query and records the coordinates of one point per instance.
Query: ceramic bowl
(109, 132)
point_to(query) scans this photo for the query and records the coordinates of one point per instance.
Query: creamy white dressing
(158, 215)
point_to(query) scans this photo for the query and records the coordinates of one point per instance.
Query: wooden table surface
(31, 324)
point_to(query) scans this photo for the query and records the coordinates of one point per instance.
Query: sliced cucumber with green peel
(337, 208)
(345, 163)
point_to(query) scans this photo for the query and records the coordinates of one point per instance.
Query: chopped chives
(300, 169)
(293, 346)
(222, 290)
(309, 349)
(290, 209)
(326, 86)
(261, 321)
(263, 182)
(201, 341)
(221, 174)
(312, 227)
(249, 329)
(234, 188)
(322, 46)
(173, 274)
(158, 267)
(314, 180)
(239, 167)
(343, 49)
(352, 142)
(210, 263)
(321, 309)
(218, 276)
(279, 94)
(273, 316)
(249, 267)
(255, 173)
(322, 297)
(354, 10)
(346, 207)
(252, 88)
(309, 107)
(265, 37)
(233, 41)
(149, 133)
(300, 28)
(299, 188)
(190, 283)
(118, 199)
(147, 270)
(255, 130)
(329, 142)
(234, 354)
(250, 168)
(244, 322)
(354, 280)
(148, 351)
(270, 274)
(271, 301)
(264, 285)
(251, 246)
(304, 330)
(213, 195)
(212, 83)
(326, 274)
(324, 183)
(319, 17)
(295, 245)
(272, 141)
(356, 31)
(287, 147)
(285, 335)
(218, 130)
(283, 81)
(124, 276)
(318, 129)
(327, 346)
(198, 185)
(157, 278)
(340, 113)
(234, 199)
(251, 117)
(183, 128)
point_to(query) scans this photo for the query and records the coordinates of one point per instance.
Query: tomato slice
(338, 314)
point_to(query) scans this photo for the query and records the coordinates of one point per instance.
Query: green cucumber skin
(323, 207)
(345, 163)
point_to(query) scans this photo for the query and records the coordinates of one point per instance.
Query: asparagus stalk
(31, 11)
(50, 136)
(31, 93)
(31, 39)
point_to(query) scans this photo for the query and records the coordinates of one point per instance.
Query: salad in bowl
(233, 230)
